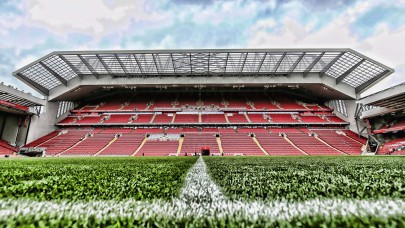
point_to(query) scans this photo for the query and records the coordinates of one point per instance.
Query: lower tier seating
(393, 147)
(276, 145)
(6, 148)
(239, 144)
(124, 145)
(339, 142)
(311, 145)
(90, 145)
(234, 141)
(158, 148)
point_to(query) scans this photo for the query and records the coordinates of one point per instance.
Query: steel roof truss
(279, 62)
(295, 64)
(121, 64)
(326, 68)
(104, 65)
(77, 72)
(350, 70)
(316, 60)
(94, 72)
(56, 75)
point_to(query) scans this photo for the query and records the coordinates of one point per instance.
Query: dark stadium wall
(10, 128)
(44, 123)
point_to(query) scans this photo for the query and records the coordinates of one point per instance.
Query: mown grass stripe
(200, 198)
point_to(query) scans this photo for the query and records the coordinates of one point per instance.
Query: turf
(304, 178)
(93, 178)
(220, 192)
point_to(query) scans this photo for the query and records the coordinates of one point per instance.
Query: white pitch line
(200, 198)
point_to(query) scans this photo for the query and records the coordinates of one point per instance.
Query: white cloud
(93, 17)
(385, 45)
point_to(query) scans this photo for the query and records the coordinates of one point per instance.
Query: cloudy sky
(30, 29)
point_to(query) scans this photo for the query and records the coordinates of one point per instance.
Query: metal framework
(15, 99)
(344, 65)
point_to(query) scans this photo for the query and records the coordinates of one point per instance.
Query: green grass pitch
(201, 192)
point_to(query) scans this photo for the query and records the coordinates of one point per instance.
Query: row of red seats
(261, 101)
(194, 118)
(6, 148)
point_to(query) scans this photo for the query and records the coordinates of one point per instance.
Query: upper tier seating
(239, 144)
(213, 118)
(261, 101)
(138, 102)
(257, 118)
(311, 145)
(340, 142)
(285, 130)
(147, 130)
(187, 99)
(142, 118)
(116, 131)
(111, 105)
(335, 119)
(186, 118)
(164, 100)
(163, 118)
(125, 145)
(237, 118)
(396, 126)
(90, 145)
(312, 119)
(235, 100)
(209, 99)
(288, 103)
(116, 118)
(193, 142)
(276, 145)
(252, 130)
(89, 120)
(282, 118)
(68, 120)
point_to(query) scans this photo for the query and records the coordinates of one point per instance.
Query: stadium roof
(392, 98)
(14, 96)
(343, 65)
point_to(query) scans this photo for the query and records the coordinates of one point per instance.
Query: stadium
(202, 138)
(220, 102)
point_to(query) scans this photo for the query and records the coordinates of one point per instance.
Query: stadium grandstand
(384, 115)
(17, 109)
(224, 101)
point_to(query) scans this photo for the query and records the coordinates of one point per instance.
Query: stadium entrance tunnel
(205, 151)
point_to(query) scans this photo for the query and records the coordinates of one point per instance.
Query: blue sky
(30, 29)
